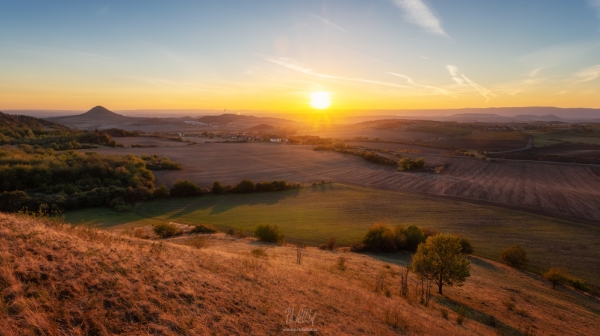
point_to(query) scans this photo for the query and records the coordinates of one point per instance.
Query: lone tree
(515, 256)
(441, 259)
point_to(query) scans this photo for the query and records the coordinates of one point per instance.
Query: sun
(320, 100)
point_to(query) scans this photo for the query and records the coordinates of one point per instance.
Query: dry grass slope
(57, 279)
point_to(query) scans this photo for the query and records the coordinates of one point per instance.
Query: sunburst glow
(320, 100)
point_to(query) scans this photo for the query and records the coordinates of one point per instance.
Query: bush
(341, 264)
(185, 188)
(204, 228)
(467, 247)
(411, 164)
(230, 232)
(166, 230)
(558, 276)
(515, 256)
(161, 192)
(329, 245)
(358, 247)
(268, 233)
(259, 253)
(380, 238)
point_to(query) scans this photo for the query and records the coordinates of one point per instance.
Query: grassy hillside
(314, 214)
(56, 279)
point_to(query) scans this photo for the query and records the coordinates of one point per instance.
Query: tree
(414, 237)
(217, 188)
(441, 259)
(246, 186)
(185, 188)
(515, 256)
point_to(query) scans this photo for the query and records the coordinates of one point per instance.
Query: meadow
(316, 213)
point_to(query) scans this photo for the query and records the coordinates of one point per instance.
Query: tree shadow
(483, 264)
(217, 204)
(479, 316)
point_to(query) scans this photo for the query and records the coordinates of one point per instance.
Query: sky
(272, 54)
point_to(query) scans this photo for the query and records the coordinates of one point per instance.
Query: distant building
(275, 139)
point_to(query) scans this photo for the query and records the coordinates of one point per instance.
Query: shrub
(558, 276)
(410, 164)
(462, 312)
(329, 245)
(166, 230)
(230, 232)
(268, 233)
(358, 247)
(341, 264)
(204, 228)
(258, 252)
(380, 238)
(444, 313)
(467, 247)
(515, 256)
(185, 188)
(246, 186)
(161, 192)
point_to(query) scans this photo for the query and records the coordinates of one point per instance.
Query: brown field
(428, 138)
(566, 153)
(351, 132)
(563, 190)
(398, 147)
(497, 145)
(56, 279)
(149, 141)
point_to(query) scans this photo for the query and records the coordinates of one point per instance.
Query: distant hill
(97, 118)
(262, 128)
(21, 121)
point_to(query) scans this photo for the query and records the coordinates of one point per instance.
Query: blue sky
(271, 55)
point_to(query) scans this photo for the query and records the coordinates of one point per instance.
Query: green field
(543, 139)
(314, 214)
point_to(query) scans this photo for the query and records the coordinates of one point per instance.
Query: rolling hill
(96, 118)
(57, 279)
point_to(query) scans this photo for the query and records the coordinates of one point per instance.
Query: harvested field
(566, 153)
(398, 147)
(563, 190)
(149, 142)
(371, 133)
(315, 214)
(497, 145)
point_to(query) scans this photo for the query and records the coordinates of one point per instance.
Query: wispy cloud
(435, 88)
(588, 74)
(460, 79)
(418, 13)
(293, 64)
(328, 23)
(595, 4)
(535, 72)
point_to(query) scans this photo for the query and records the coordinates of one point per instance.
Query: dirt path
(529, 143)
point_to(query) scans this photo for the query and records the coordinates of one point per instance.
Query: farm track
(569, 191)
